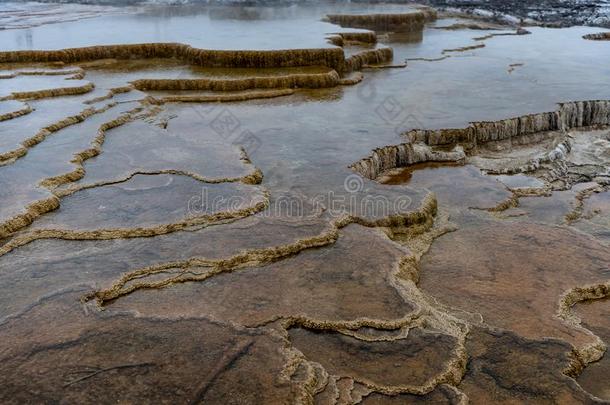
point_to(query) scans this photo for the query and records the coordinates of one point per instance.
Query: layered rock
(12, 109)
(524, 129)
(305, 80)
(554, 13)
(227, 97)
(330, 57)
(56, 92)
(399, 22)
(486, 131)
(584, 114)
(34, 209)
(405, 154)
(571, 115)
(353, 38)
(600, 36)
(368, 57)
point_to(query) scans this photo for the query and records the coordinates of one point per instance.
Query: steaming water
(209, 28)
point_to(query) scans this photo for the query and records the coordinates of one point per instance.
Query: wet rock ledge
(432, 145)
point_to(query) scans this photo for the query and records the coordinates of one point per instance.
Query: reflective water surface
(225, 252)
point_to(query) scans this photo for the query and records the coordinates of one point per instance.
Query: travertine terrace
(601, 36)
(322, 204)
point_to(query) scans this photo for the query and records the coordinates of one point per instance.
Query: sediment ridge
(353, 38)
(405, 154)
(56, 92)
(330, 57)
(417, 230)
(568, 116)
(600, 36)
(423, 215)
(571, 298)
(77, 72)
(141, 232)
(26, 109)
(253, 178)
(9, 156)
(38, 208)
(304, 80)
(368, 57)
(426, 316)
(397, 22)
(464, 48)
(227, 97)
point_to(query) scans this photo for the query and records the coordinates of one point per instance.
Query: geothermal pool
(321, 204)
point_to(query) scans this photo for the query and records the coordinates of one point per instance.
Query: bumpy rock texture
(602, 36)
(489, 145)
(331, 57)
(552, 12)
(157, 251)
(405, 22)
